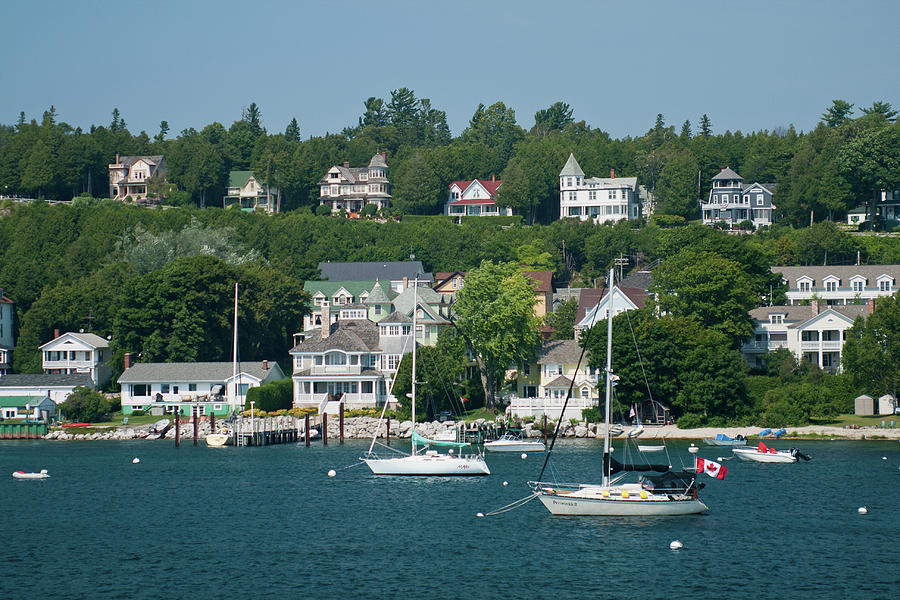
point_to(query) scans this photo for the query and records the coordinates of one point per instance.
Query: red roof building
(475, 198)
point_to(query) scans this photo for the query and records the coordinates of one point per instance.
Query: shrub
(690, 421)
(368, 210)
(84, 404)
(592, 415)
(271, 397)
(323, 210)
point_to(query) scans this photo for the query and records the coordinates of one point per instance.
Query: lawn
(116, 418)
(861, 420)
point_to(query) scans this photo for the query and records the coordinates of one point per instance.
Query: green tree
(163, 130)
(292, 131)
(553, 118)
(871, 161)
(871, 354)
(837, 113)
(277, 395)
(84, 404)
(676, 189)
(495, 316)
(562, 320)
(375, 115)
(253, 116)
(705, 126)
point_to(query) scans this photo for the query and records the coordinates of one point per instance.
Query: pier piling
(177, 430)
(342, 422)
(324, 429)
(307, 430)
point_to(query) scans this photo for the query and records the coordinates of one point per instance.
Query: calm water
(269, 523)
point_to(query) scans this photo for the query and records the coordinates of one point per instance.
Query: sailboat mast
(234, 351)
(415, 311)
(609, 374)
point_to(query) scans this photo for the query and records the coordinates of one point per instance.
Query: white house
(77, 353)
(623, 299)
(597, 198)
(128, 176)
(7, 342)
(351, 188)
(36, 386)
(475, 198)
(731, 202)
(839, 284)
(542, 385)
(35, 408)
(815, 332)
(176, 387)
(248, 194)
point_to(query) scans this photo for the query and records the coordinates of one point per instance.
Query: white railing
(552, 407)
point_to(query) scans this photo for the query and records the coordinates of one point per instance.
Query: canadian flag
(713, 469)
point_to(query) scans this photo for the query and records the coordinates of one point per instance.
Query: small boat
(723, 440)
(769, 455)
(636, 431)
(23, 475)
(779, 433)
(161, 426)
(510, 442)
(217, 440)
(644, 448)
(765, 432)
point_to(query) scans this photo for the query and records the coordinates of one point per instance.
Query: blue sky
(749, 65)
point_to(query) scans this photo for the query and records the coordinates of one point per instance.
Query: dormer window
(776, 319)
(857, 285)
(831, 285)
(334, 175)
(805, 284)
(885, 285)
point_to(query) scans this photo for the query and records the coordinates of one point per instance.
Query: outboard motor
(796, 453)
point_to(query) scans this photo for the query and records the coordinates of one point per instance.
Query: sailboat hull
(440, 465)
(617, 501)
(217, 440)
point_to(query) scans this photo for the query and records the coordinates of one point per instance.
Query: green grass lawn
(861, 420)
(115, 419)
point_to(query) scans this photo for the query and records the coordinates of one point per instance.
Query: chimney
(406, 283)
(265, 365)
(871, 303)
(326, 319)
(346, 164)
(815, 307)
(493, 178)
(126, 362)
(612, 173)
(384, 156)
(55, 333)
(117, 158)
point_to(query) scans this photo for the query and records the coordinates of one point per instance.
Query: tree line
(820, 174)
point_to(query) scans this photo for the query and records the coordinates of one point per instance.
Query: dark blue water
(269, 523)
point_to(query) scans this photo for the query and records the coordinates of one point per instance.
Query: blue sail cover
(424, 441)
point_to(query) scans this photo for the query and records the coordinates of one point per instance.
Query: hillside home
(34, 387)
(543, 384)
(128, 176)
(351, 188)
(448, 283)
(543, 290)
(815, 332)
(886, 206)
(597, 198)
(176, 388)
(839, 284)
(475, 198)
(7, 342)
(77, 353)
(594, 306)
(248, 194)
(731, 202)
(399, 275)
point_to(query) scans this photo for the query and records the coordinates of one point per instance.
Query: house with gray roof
(129, 175)
(600, 199)
(815, 332)
(36, 386)
(730, 202)
(398, 275)
(351, 188)
(77, 352)
(543, 384)
(839, 284)
(175, 388)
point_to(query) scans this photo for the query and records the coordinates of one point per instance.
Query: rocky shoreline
(364, 428)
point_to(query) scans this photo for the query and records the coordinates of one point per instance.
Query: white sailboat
(668, 493)
(225, 437)
(428, 461)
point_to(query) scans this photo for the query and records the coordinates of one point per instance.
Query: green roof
(328, 288)
(239, 178)
(19, 401)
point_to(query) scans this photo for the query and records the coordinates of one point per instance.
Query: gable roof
(543, 280)
(727, 173)
(88, 339)
(239, 178)
(557, 352)
(330, 288)
(45, 380)
(843, 272)
(797, 315)
(489, 186)
(571, 168)
(356, 335)
(370, 271)
(216, 372)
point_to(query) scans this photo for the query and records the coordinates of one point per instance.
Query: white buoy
(450, 451)
(862, 510)
(884, 458)
(479, 515)
(505, 483)
(524, 456)
(135, 460)
(676, 545)
(332, 472)
(693, 449)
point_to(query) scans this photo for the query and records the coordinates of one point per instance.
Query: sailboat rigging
(428, 461)
(667, 493)
(225, 437)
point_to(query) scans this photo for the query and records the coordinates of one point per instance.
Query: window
(776, 319)
(365, 387)
(569, 182)
(526, 370)
(804, 286)
(217, 407)
(746, 198)
(884, 285)
(334, 175)
(377, 309)
(574, 211)
(174, 389)
(612, 194)
(242, 389)
(164, 388)
(857, 285)
(139, 389)
(831, 286)
(736, 198)
(592, 195)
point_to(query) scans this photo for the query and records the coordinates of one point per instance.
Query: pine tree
(705, 126)
(292, 131)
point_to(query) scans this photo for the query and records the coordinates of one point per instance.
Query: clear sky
(749, 65)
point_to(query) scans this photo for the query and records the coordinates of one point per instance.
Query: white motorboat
(666, 493)
(23, 475)
(422, 459)
(510, 442)
(723, 440)
(646, 448)
(217, 440)
(768, 455)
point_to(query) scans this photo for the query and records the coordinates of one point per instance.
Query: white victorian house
(248, 194)
(839, 284)
(601, 199)
(542, 385)
(475, 198)
(815, 332)
(352, 188)
(623, 299)
(211, 387)
(128, 176)
(77, 353)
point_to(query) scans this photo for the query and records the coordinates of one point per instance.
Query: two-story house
(600, 199)
(475, 198)
(815, 332)
(839, 284)
(129, 175)
(448, 283)
(886, 206)
(180, 388)
(77, 353)
(7, 342)
(351, 188)
(543, 384)
(594, 305)
(248, 194)
(334, 294)
(731, 202)
(399, 275)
